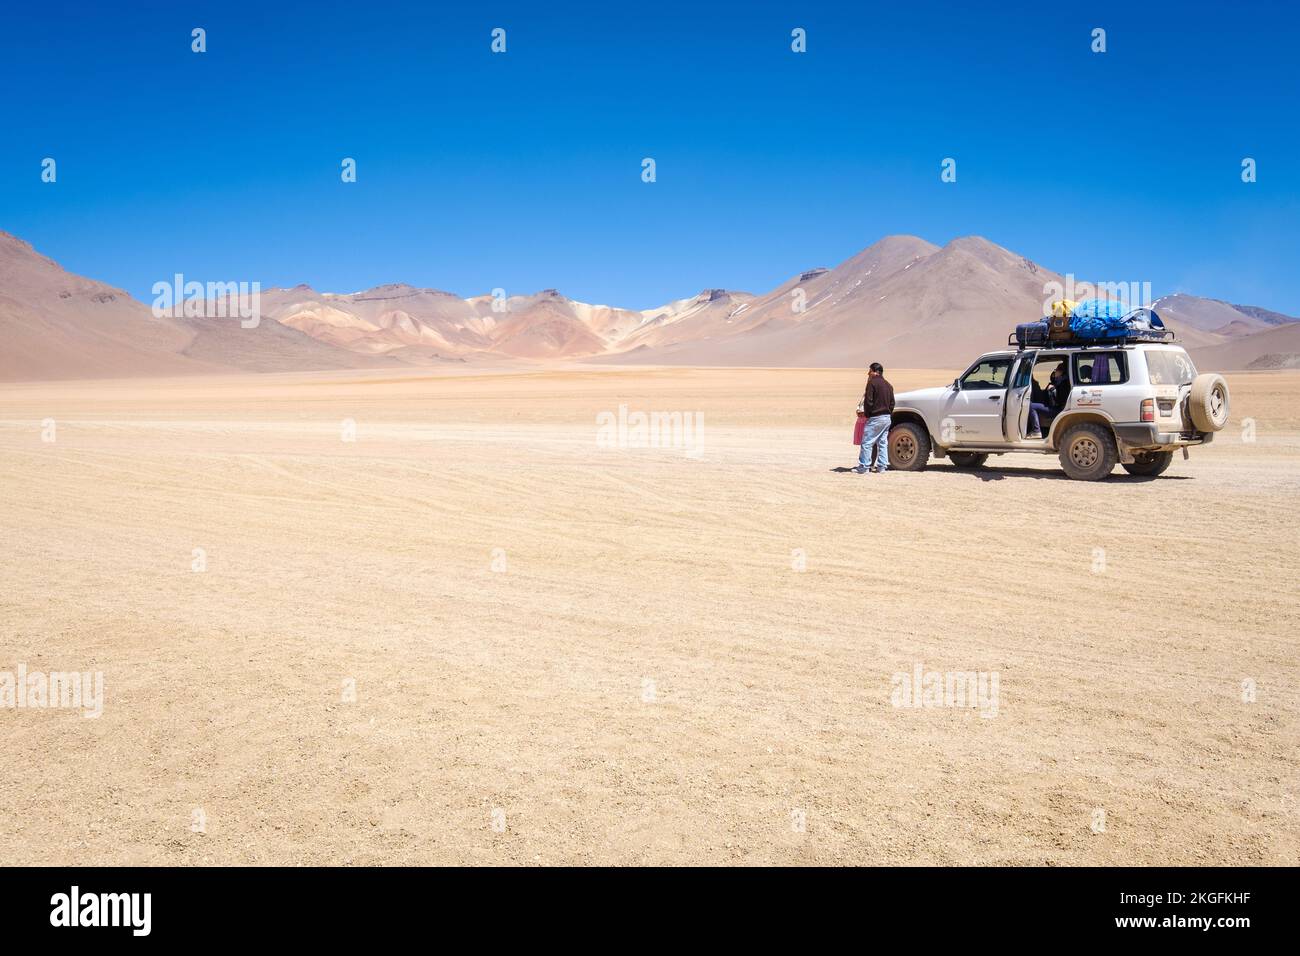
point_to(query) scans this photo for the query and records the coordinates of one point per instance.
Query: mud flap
(1186, 454)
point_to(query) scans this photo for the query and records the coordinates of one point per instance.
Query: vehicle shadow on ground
(998, 474)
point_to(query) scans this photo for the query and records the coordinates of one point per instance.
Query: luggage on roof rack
(1058, 328)
(1099, 309)
(1030, 334)
(1098, 319)
(1028, 339)
(1090, 323)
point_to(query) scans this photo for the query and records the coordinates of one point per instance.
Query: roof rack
(1137, 337)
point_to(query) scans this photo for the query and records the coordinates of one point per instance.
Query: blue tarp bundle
(1099, 309)
(1110, 319)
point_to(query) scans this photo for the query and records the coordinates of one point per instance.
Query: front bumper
(1148, 435)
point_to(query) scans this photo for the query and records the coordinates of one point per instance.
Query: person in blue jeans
(1040, 413)
(1046, 404)
(878, 404)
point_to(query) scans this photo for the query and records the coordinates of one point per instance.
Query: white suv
(1128, 403)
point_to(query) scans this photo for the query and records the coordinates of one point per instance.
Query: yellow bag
(1062, 308)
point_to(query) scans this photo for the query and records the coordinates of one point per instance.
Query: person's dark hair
(877, 368)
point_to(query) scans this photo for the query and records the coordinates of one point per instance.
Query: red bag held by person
(859, 428)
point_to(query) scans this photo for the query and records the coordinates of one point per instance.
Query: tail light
(1148, 409)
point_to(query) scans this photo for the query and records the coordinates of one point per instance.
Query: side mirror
(956, 385)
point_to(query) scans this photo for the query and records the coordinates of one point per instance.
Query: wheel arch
(900, 415)
(1068, 419)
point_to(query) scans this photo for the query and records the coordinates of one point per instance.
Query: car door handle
(995, 398)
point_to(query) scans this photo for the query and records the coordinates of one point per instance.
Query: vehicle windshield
(987, 373)
(1169, 367)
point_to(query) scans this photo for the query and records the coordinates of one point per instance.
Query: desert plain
(431, 617)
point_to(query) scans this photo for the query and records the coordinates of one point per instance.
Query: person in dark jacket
(878, 404)
(1058, 388)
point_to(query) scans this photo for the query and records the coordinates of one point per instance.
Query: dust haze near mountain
(902, 301)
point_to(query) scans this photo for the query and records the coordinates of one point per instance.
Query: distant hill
(57, 325)
(1275, 347)
(902, 301)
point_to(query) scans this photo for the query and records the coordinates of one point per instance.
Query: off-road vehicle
(1131, 403)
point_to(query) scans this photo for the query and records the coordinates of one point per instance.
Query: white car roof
(1130, 346)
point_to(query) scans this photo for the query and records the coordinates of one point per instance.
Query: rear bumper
(1148, 435)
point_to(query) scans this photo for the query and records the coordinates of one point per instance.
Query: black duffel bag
(1031, 333)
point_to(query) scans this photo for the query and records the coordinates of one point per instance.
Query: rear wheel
(1088, 452)
(1148, 464)
(967, 459)
(909, 446)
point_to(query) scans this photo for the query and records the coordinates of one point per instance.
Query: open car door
(1015, 421)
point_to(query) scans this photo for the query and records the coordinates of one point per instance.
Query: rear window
(1170, 367)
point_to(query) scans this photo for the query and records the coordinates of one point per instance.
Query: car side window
(1023, 373)
(987, 374)
(1100, 368)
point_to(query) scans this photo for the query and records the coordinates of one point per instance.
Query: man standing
(878, 403)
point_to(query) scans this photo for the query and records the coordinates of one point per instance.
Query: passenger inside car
(1043, 404)
(1040, 414)
(1058, 388)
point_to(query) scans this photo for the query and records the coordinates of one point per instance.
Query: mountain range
(902, 301)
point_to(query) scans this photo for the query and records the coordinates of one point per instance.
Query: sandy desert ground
(474, 635)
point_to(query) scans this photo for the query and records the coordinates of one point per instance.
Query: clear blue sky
(522, 170)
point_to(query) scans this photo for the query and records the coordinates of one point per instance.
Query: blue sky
(522, 170)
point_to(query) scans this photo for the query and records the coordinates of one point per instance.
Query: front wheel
(1148, 464)
(1088, 452)
(909, 446)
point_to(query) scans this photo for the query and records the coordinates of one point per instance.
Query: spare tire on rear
(1208, 403)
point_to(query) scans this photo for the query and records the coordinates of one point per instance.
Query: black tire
(1088, 452)
(1148, 464)
(967, 459)
(909, 446)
